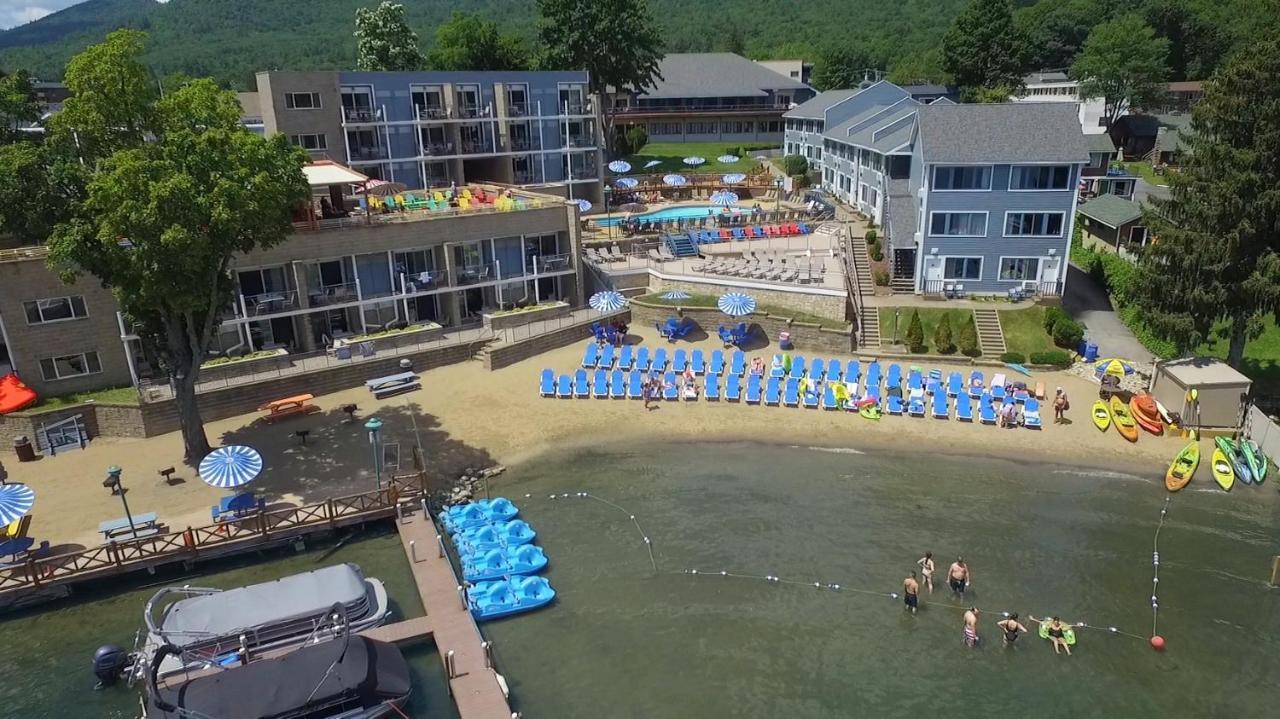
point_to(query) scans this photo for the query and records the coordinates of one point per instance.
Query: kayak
(1256, 459)
(1183, 467)
(1238, 464)
(1123, 421)
(1223, 473)
(1144, 412)
(1068, 633)
(1101, 416)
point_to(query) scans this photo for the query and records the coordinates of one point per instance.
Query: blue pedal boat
(494, 536)
(505, 562)
(491, 600)
(477, 514)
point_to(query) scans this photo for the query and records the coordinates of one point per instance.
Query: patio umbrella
(1113, 366)
(232, 466)
(736, 304)
(760, 158)
(733, 178)
(382, 188)
(632, 207)
(15, 501)
(727, 159)
(652, 163)
(694, 161)
(626, 183)
(584, 206)
(607, 301)
(620, 166)
(724, 198)
(676, 295)
(675, 180)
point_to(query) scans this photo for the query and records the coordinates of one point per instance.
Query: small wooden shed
(1220, 390)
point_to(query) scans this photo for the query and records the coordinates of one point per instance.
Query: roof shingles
(715, 74)
(1002, 133)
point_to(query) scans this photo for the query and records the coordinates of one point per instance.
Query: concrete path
(1089, 304)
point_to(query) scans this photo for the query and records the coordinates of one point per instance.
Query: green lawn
(1143, 170)
(1261, 356)
(776, 310)
(113, 395)
(672, 155)
(929, 319)
(1024, 331)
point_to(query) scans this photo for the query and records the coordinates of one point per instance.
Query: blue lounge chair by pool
(682, 331)
(607, 355)
(600, 384)
(618, 384)
(679, 361)
(635, 385)
(626, 358)
(733, 388)
(642, 359)
(915, 407)
(717, 362)
(1031, 413)
(726, 335)
(797, 368)
(659, 360)
(940, 410)
(669, 388)
(935, 375)
(894, 404)
(591, 355)
(818, 369)
(776, 367)
(564, 387)
(738, 363)
(933, 388)
(964, 407)
(915, 381)
(772, 392)
(894, 379)
(664, 330)
(713, 387)
(811, 399)
(581, 386)
(853, 371)
(804, 229)
(791, 395)
(755, 389)
(976, 384)
(739, 233)
(986, 410)
(829, 398)
(547, 387)
(873, 376)
(955, 384)
(697, 363)
(997, 388)
(833, 370)
(1021, 395)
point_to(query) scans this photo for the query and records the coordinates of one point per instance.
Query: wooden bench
(288, 407)
(383, 387)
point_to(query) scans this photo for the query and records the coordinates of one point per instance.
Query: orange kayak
(1149, 422)
(1123, 420)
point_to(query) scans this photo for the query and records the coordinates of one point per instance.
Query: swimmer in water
(958, 577)
(926, 570)
(1012, 628)
(911, 592)
(1057, 634)
(971, 627)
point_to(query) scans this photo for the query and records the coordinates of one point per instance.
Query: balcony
(467, 111)
(474, 274)
(517, 109)
(269, 303)
(576, 108)
(582, 141)
(551, 263)
(524, 178)
(438, 149)
(422, 281)
(680, 108)
(359, 114)
(431, 112)
(582, 173)
(476, 147)
(367, 153)
(524, 143)
(327, 295)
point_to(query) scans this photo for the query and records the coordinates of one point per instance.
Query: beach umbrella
(15, 501)
(382, 188)
(607, 301)
(652, 163)
(583, 205)
(727, 159)
(675, 180)
(632, 207)
(694, 161)
(724, 198)
(620, 166)
(626, 183)
(1113, 366)
(736, 304)
(733, 178)
(676, 295)
(232, 466)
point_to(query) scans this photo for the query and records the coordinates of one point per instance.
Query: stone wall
(820, 305)
(804, 336)
(506, 354)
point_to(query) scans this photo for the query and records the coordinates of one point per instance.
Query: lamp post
(374, 425)
(777, 182)
(608, 218)
(112, 482)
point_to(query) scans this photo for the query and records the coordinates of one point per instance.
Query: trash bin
(1091, 352)
(23, 448)
(406, 364)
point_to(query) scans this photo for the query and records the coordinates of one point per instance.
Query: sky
(19, 12)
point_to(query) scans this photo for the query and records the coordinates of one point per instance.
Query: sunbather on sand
(757, 366)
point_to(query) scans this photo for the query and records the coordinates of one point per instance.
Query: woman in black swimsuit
(1011, 628)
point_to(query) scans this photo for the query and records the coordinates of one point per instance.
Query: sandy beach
(466, 416)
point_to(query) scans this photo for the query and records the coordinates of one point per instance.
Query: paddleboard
(1223, 473)
(1019, 368)
(1068, 633)
(1164, 413)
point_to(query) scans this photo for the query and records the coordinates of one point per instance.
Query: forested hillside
(231, 39)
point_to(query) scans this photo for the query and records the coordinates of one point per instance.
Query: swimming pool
(682, 212)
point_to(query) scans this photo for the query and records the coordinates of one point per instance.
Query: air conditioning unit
(1030, 285)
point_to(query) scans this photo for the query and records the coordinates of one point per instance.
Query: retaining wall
(506, 354)
(805, 336)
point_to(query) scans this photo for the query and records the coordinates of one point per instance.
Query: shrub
(968, 340)
(1013, 357)
(637, 137)
(1067, 333)
(943, 340)
(915, 333)
(795, 165)
(872, 236)
(877, 251)
(881, 277)
(1051, 317)
(1056, 358)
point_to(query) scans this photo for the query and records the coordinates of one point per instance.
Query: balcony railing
(423, 281)
(583, 173)
(367, 152)
(431, 112)
(468, 110)
(676, 107)
(582, 141)
(476, 147)
(524, 143)
(326, 295)
(551, 263)
(438, 149)
(524, 178)
(360, 114)
(576, 108)
(517, 109)
(271, 302)
(474, 274)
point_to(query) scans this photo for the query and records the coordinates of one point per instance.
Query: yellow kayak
(1101, 415)
(1123, 421)
(1223, 473)
(1183, 467)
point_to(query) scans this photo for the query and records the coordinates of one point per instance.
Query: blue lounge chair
(976, 384)
(964, 407)
(940, 410)
(873, 376)
(1031, 413)
(726, 335)
(955, 384)
(591, 355)
(738, 363)
(933, 388)
(818, 369)
(1021, 395)
(833, 370)
(669, 388)
(914, 380)
(894, 405)
(679, 361)
(626, 358)
(642, 359)
(791, 396)
(618, 384)
(713, 387)
(600, 384)
(997, 392)
(935, 375)
(581, 387)
(986, 410)
(564, 387)
(741, 334)
(772, 392)
(804, 229)
(811, 399)
(755, 389)
(797, 368)
(853, 371)
(664, 330)
(915, 407)
(739, 233)
(717, 362)
(894, 379)
(606, 357)
(697, 363)
(635, 385)
(733, 388)
(829, 398)
(682, 331)
(547, 386)
(659, 363)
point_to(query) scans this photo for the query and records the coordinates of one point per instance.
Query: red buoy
(1157, 643)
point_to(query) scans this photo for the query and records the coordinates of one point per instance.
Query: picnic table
(235, 506)
(288, 407)
(144, 524)
(393, 384)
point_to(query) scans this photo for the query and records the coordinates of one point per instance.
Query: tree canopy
(18, 105)
(1216, 253)
(841, 66)
(470, 42)
(984, 48)
(384, 40)
(1123, 62)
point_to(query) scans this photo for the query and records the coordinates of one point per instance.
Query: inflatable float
(14, 395)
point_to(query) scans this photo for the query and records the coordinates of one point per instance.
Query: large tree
(984, 48)
(172, 188)
(616, 41)
(470, 42)
(1216, 253)
(384, 40)
(1123, 62)
(1195, 45)
(18, 106)
(1055, 31)
(841, 66)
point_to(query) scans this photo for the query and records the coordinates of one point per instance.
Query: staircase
(680, 245)
(990, 334)
(861, 266)
(902, 285)
(869, 329)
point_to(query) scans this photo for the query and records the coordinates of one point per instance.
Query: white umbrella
(675, 180)
(232, 466)
(724, 198)
(583, 205)
(733, 178)
(652, 163)
(607, 301)
(736, 304)
(694, 161)
(727, 159)
(620, 166)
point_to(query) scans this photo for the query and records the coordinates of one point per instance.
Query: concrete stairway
(990, 334)
(681, 245)
(861, 266)
(869, 329)
(902, 285)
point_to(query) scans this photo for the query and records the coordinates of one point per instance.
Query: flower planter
(245, 367)
(416, 334)
(515, 318)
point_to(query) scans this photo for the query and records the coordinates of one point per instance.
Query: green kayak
(1237, 460)
(1256, 459)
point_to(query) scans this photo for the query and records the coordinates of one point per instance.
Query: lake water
(624, 640)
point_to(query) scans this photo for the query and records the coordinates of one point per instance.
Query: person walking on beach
(911, 592)
(1060, 406)
(1011, 628)
(926, 570)
(958, 577)
(646, 391)
(971, 627)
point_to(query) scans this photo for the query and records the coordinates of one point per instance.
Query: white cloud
(20, 12)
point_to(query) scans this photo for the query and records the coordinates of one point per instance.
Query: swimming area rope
(648, 544)
(1155, 562)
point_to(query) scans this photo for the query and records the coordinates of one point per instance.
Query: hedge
(1051, 316)
(1013, 357)
(881, 277)
(1057, 358)
(1067, 333)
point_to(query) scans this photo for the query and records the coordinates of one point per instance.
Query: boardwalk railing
(248, 531)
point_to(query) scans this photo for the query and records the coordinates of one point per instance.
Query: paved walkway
(1089, 304)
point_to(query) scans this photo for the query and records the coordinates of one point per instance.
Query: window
(1033, 224)
(734, 127)
(55, 309)
(962, 178)
(66, 366)
(771, 126)
(1017, 269)
(958, 224)
(701, 128)
(1040, 177)
(302, 100)
(962, 268)
(1097, 159)
(310, 142)
(665, 128)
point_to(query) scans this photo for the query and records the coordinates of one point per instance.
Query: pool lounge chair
(591, 355)
(834, 370)
(713, 387)
(933, 388)
(797, 368)
(873, 376)
(726, 335)
(600, 384)
(894, 379)
(940, 410)
(581, 386)
(915, 407)
(772, 391)
(1031, 414)
(853, 371)
(791, 395)
(697, 363)
(755, 389)
(547, 386)
(986, 410)
(738, 363)
(659, 363)
(829, 397)
(964, 408)
(894, 404)
(717, 362)
(635, 385)
(681, 331)
(997, 387)
(732, 388)
(812, 398)
(679, 361)
(777, 368)
(738, 234)
(670, 390)
(818, 369)
(642, 359)
(955, 384)
(976, 384)
(626, 358)
(915, 381)
(606, 357)
(618, 384)
(564, 387)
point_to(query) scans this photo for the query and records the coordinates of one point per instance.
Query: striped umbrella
(675, 180)
(724, 198)
(676, 295)
(652, 163)
(1113, 366)
(727, 159)
(607, 301)
(15, 501)
(620, 166)
(583, 205)
(694, 161)
(632, 207)
(626, 183)
(736, 304)
(232, 466)
(733, 178)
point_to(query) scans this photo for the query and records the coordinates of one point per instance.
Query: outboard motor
(109, 664)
